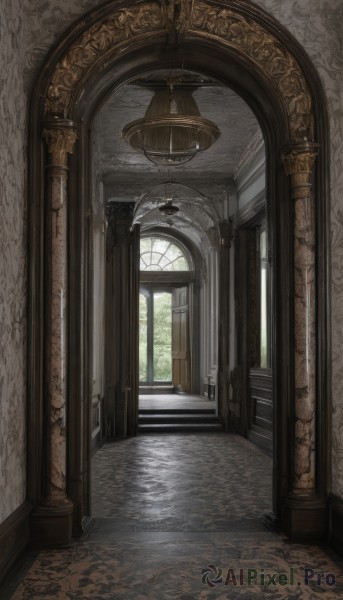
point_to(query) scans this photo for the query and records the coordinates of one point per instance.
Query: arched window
(159, 253)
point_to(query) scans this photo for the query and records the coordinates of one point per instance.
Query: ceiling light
(173, 130)
(169, 209)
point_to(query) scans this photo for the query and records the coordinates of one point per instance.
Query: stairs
(178, 421)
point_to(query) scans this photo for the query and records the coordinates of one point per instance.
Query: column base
(305, 518)
(51, 526)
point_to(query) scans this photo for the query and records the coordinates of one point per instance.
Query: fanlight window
(162, 254)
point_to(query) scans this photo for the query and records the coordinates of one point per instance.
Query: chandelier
(173, 130)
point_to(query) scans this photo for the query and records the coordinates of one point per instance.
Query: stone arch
(232, 28)
(252, 52)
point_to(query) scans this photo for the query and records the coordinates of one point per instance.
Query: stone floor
(180, 517)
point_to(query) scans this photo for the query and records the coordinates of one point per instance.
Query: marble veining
(57, 334)
(305, 326)
(12, 261)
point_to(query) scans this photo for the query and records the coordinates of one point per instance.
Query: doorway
(164, 325)
(155, 338)
(268, 70)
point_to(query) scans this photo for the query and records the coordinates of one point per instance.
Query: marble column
(53, 518)
(298, 161)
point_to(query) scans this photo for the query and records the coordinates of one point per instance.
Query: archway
(249, 51)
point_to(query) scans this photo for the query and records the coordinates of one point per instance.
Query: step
(179, 427)
(177, 418)
(155, 390)
(178, 411)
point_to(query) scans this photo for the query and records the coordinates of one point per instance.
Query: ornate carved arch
(253, 42)
(229, 27)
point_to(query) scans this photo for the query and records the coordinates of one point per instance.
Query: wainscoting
(14, 538)
(261, 409)
(336, 523)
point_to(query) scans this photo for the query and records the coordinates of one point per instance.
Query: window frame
(172, 241)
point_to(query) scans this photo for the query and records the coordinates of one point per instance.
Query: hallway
(171, 512)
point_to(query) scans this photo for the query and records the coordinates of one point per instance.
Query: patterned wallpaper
(12, 263)
(316, 24)
(45, 22)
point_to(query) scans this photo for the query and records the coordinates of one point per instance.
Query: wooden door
(180, 340)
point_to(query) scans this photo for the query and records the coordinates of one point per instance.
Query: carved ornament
(299, 162)
(192, 18)
(60, 143)
(267, 54)
(125, 24)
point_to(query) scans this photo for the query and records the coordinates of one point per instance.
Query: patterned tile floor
(180, 517)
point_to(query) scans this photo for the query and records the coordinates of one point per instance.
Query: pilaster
(306, 512)
(52, 520)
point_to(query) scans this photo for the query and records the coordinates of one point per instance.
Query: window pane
(162, 336)
(180, 264)
(143, 339)
(155, 259)
(146, 245)
(164, 262)
(160, 245)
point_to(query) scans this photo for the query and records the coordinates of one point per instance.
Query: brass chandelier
(172, 131)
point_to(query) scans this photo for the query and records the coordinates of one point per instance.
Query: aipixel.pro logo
(212, 575)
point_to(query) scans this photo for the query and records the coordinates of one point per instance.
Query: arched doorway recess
(195, 228)
(243, 47)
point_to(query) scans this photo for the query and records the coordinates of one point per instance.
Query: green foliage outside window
(161, 369)
(143, 331)
(162, 337)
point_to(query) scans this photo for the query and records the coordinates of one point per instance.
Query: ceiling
(129, 176)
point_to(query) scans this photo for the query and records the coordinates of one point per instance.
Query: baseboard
(262, 439)
(336, 523)
(14, 538)
(305, 518)
(51, 525)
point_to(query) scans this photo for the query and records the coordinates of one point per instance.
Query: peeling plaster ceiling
(129, 176)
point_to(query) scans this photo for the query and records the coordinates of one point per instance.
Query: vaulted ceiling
(197, 186)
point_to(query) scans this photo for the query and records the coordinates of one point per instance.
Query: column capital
(60, 136)
(298, 161)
